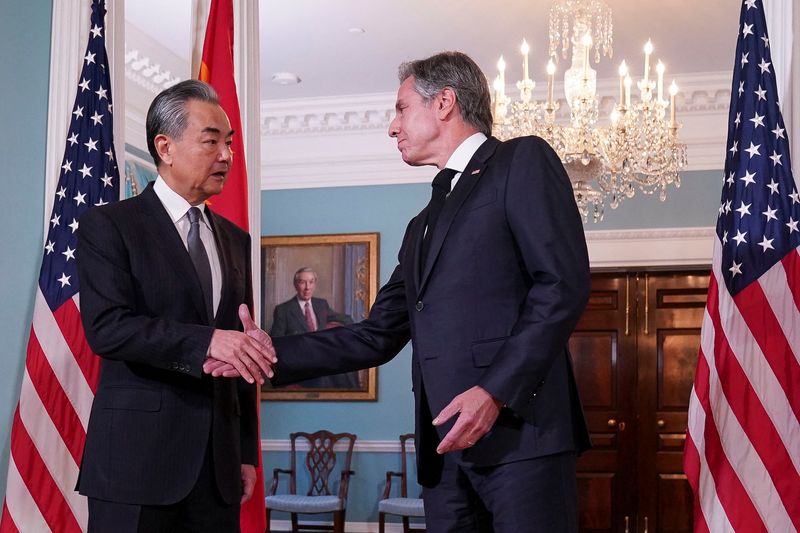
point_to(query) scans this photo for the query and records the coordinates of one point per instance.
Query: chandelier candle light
(638, 149)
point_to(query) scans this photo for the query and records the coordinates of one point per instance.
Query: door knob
(612, 422)
(661, 424)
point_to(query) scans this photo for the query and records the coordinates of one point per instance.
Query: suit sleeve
(371, 342)
(544, 220)
(114, 328)
(249, 429)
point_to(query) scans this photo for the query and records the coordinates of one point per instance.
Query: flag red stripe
(41, 486)
(7, 524)
(55, 401)
(691, 465)
(765, 328)
(739, 509)
(791, 264)
(68, 318)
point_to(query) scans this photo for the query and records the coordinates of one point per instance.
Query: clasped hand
(248, 354)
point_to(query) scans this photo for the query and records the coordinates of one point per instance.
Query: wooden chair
(320, 461)
(402, 506)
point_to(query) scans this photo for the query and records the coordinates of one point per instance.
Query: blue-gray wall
(386, 209)
(25, 65)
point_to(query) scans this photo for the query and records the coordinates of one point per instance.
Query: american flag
(60, 375)
(742, 455)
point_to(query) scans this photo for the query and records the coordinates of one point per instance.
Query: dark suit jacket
(154, 411)
(288, 319)
(505, 282)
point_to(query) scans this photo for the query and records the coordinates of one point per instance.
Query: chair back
(404, 451)
(320, 460)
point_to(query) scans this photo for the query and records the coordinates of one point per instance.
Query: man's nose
(393, 127)
(226, 153)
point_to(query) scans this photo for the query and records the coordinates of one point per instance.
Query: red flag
(742, 455)
(61, 372)
(217, 70)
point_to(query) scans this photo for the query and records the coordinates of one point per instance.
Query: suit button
(420, 306)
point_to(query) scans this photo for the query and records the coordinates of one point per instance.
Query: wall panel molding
(650, 247)
(361, 446)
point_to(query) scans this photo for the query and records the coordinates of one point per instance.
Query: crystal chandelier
(638, 149)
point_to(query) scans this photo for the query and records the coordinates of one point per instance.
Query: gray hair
(304, 269)
(459, 72)
(167, 114)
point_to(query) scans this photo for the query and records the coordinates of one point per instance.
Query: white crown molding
(342, 141)
(650, 248)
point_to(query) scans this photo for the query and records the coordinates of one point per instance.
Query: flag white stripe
(758, 371)
(774, 284)
(62, 360)
(738, 449)
(55, 455)
(21, 506)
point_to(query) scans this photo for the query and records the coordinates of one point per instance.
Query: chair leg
(268, 529)
(406, 525)
(295, 526)
(381, 523)
(338, 522)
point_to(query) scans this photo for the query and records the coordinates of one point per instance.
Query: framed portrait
(338, 276)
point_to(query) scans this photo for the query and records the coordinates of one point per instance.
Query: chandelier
(637, 149)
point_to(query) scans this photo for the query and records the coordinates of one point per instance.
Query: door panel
(634, 352)
(606, 383)
(669, 340)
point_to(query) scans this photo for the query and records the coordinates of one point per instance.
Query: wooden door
(670, 312)
(634, 351)
(606, 375)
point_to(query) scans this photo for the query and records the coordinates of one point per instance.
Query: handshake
(249, 355)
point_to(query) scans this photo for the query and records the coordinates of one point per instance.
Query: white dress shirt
(461, 156)
(177, 208)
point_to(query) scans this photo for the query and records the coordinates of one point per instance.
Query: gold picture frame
(346, 265)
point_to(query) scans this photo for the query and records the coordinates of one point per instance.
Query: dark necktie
(200, 259)
(441, 188)
(310, 322)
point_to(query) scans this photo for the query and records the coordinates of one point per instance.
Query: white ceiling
(311, 37)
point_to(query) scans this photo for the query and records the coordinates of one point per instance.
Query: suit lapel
(467, 181)
(162, 231)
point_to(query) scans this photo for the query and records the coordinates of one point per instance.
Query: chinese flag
(217, 70)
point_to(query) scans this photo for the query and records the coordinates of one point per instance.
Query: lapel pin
(476, 171)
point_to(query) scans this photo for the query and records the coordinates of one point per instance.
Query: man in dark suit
(493, 276)
(305, 313)
(165, 288)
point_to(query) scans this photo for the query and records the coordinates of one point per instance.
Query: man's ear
(447, 102)
(164, 147)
